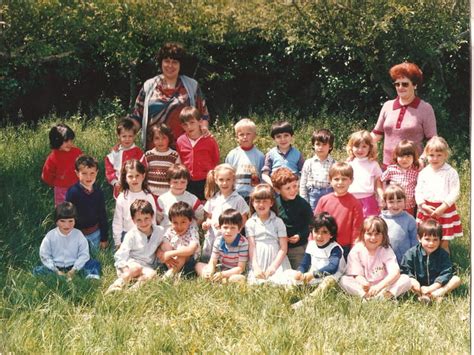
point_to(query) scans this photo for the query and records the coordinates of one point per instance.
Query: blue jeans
(314, 194)
(91, 270)
(94, 240)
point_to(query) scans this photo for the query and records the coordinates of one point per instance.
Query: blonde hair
(245, 123)
(438, 144)
(378, 225)
(263, 192)
(211, 187)
(359, 137)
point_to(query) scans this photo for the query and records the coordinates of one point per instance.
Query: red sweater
(115, 160)
(58, 169)
(347, 211)
(201, 158)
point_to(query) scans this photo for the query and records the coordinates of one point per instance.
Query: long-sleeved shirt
(440, 185)
(200, 157)
(297, 215)
(315, 174)
(401, 232)
(58, 169)
(322, 260)
(115, 160)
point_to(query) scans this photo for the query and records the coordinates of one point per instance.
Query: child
(437, 191)
(160, 158)
(126, 150)
(58, 169)
(314, 181)
(197, 152)
(136, 257)
(246, 159)
(134, 187)
(401, 224)
(372, 268)
(295, 212)
(366, 186)
(64, 250)
(230, 252)
(89, 200)
(343, 206)
(404, 172)
(266, 234)
(178, 178)
(220, 195)
(284, 154)
(184, 239)
(428, 266)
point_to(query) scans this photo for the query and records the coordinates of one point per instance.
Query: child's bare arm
(239, 269)
(379, 190)
(279, 258)
(426, 290)
(182, 251)
(392, 276)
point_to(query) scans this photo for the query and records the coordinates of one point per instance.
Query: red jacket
(115, 160)
(58, 169)
(201, 158)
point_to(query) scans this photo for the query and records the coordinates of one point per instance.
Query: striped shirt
(158, 164)
(230, 255)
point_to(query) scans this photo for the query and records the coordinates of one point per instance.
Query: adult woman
(407, 116)
(162, 97)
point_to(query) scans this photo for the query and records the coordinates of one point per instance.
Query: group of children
(316, 222)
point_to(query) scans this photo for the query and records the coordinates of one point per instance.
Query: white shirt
(440, 185)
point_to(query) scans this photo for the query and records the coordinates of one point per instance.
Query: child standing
(267, 238)
(220, 195)
(366, 187)
(64, 250)
(314, 181)
(437, 191)
(89, 201)
(372, 268)
(126, 150)
(197, 152)
(295, 212)
(134, 187)
(58, 169)
(428, 266)
(404, 172)
(230, 252)
(284, 154)
(401, 225)
(159, 159)
(246, 159)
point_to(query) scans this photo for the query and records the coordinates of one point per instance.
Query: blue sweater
(401, 232)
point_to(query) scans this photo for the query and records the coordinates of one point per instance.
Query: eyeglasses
(405, 84)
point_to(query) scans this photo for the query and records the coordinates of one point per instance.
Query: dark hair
(85, 161)
(281, 127)
(59, 134)
(324, 219)
(375, 224)
(283, 176)
(231, 216)
(263, 192)
(142, 206)
(181, 209)
(406, 147)
(65, 210)
(130, 165)
(394, 191)
(188, 113)
(323, 136)
(178, 171)
(409, 70)
(430, 227)
(127, 124)
(171, 50)
(163, 129)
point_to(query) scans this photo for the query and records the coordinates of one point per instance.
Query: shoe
(168, 274)
(297, 305)
(92, 276)
(424, 299)
(135, 286)
(118, 285)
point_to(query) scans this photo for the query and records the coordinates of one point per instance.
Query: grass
(53, 316)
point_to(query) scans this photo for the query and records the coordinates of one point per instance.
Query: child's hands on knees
(425, 290)
(373, 290)
(307, 277)
(104, 245)
(299, 276)
(259, 274)
(270, 271)
(217, 276)
(207, 272)
(70, 274)
(206, 224)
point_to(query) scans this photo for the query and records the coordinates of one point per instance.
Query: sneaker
(92, 276)
(168, 274)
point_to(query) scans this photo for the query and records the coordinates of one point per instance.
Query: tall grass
(54, 316)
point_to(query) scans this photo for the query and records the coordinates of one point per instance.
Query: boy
(428, 266)
(283, 155)
(136, 257)
(295, 212)
(343, 206)
(198, 153)
(246, 159)
(230, 251)
(64, 250)
(184, 239)
(178, 177)
(315, 173)
(125, 150)
(89, 201)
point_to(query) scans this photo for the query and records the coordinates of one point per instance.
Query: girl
(404, 171)
(372, 268)
(160, 158)
(366, 186)
(268, 243)
(58, 169)
(437, 191)
(134, 187)
(220, 195)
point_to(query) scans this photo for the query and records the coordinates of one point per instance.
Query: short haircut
(430, 227)
(437, 144)
(358, 138)
(409, 70)
(181, 209)
(231, 216)
(177, 171)
(85, 161)
(281, 127)
(394, 191)
(245, 123)
(378, 225)
(263, 192)
(323, 136)
(59, 134)
(188, 113)
(142, 206)
(406, 147)
(160, 128)
(65, 210)
(126, 124)
(340, 168)
(324, 219)
(283, 176)
(171, 50)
